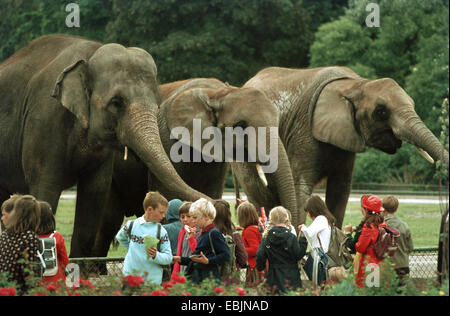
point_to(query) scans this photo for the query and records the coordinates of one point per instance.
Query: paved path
(228, 196)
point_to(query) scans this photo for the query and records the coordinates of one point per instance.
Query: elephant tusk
(125, 154)
(261, 175)
(425, 154)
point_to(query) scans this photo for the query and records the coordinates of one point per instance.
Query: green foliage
(410, 46)
(230, 40)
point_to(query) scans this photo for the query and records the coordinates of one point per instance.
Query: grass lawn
(423, 220)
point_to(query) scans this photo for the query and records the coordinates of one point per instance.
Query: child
(251, 235)
(205, 260)
(350, 230)
(46, 229)
(373, 221)
(283, 250)
(320, 233)
(224, 224)
(7, 207)
(405, 243)
(187, 238)
(19, 244)
(173, 225)
(138, 261)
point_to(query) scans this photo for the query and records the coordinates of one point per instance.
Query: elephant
(327, 115)
(218, 105)
(67, 104)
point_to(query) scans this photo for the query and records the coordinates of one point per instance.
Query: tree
(227, 39)
(410, 46)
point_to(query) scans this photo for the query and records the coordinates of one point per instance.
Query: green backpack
(229, 267)
(337, 251)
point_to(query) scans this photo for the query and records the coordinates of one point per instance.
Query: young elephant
(329, 114)
(217, 106)
(65, 103)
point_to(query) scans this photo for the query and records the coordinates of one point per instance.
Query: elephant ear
(196, 103)
(71, 91)
(333, 120)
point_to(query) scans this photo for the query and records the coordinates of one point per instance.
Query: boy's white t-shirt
(319, 228)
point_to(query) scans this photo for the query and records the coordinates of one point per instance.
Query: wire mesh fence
(102, 271)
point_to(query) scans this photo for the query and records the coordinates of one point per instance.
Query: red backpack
(387, 242)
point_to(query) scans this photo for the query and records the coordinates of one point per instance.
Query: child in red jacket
(373, 221)
(187, 238)
(46, 229)
(251, 236)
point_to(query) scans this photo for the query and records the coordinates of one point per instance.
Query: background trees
(233, 39)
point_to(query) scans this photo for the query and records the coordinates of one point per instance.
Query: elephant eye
(115, 104)
(381, 113)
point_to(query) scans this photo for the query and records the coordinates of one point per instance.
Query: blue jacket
(136, 261)
(174, 225)
(199, 271)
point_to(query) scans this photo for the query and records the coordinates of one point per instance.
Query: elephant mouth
(385, 141)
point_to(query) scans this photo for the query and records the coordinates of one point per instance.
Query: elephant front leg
(111, 222)
(339, 186)
(92, 193)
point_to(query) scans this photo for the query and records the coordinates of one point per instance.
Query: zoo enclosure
(422, 264)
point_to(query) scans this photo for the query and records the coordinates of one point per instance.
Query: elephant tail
(236, 190)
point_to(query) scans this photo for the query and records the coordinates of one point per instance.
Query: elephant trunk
(412, 130)
(139, 131)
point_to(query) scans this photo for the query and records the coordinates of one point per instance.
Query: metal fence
(422, 264)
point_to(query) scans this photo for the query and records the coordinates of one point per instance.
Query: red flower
(133, 281)
(167, 285)
(51, 287)
(158, 293)
(186, 294)
(179, 279)
(8, 291)
(40, 294)
(86, 283)
(218, 290)
(241, 291)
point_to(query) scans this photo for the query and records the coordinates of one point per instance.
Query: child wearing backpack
(373, 221)
(56, 255)
(319, 234)
(139, 260)
(283, 250)
(225, 225)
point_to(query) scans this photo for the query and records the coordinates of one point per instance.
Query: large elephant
(327, 115)
(217, 105)
(65, 104)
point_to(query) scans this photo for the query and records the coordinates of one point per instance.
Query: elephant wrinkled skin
(66, 103)
(329, 114)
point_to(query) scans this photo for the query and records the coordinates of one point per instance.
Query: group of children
(26, 220)
(268, 253)
(193, 241)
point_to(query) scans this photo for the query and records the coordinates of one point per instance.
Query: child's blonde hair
(278, 215)
(203, 207)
